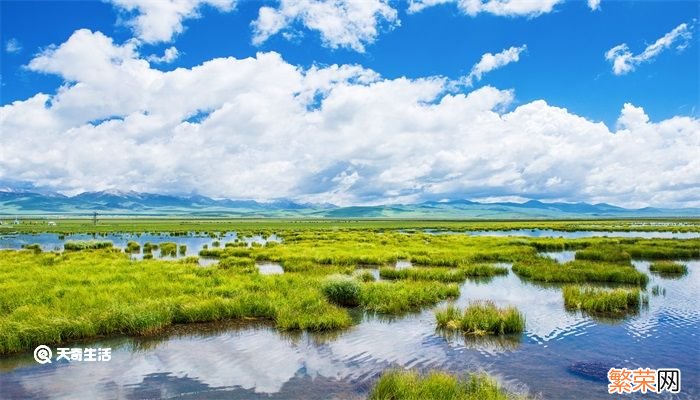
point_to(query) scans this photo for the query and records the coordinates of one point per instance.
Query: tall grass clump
(404, 296)
(604, 253)
(133, 247)
(668, 268)
(602, 301)
(436, 385)
(86, 245)
(544, 269)
(182, 249)
(168, 249)
(342, 290)
(443, 274)
(481, 318)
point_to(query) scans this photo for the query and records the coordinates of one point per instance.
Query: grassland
(184, 225)
(436, 385)
(94, 290)
(50, 298)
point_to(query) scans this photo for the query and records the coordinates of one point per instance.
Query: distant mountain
(22, 202)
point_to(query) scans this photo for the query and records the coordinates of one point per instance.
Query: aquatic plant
(668, 268)
(341, 290)
(182, 249)
(657, 290)
(86, 245)
(545, 269)
(600, 300)
(606, 253)
(410, 385)
(35, 247)
(481, 318)
(168, 249)
(148, 247)
(132, 247)
(403, 296)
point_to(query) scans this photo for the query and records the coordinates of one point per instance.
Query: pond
(561, 355)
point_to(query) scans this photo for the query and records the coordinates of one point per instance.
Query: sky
(354, 101)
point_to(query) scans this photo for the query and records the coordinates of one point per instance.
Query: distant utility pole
(94, 218)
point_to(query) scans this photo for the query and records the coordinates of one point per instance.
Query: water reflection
(560, 355)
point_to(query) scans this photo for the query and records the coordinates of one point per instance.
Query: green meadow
(94, 290)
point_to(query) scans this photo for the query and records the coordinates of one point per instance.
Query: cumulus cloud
(341, 23)
(508, 8)
(159, 20)
(169, 55)
(594, 4)
(267, 129)
(13, 45)
(624, 61)
(490, 62)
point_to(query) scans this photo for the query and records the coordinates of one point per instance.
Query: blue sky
(561, 60)
(564, 63)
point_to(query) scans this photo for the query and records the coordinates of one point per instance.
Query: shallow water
(561, 354)
(545, 233)
(194, 242)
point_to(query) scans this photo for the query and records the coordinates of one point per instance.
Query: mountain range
(14, 202)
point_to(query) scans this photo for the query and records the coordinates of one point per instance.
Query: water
(561, 354)
(194, 242)
(269, 268)
(547, 233)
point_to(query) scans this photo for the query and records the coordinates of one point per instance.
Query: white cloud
(509, 8)
(13, 45)
(159, 20)
(341, 23)
(267, 129)
(594, 4)
(623, 61)
(169, 55)
(489, 62)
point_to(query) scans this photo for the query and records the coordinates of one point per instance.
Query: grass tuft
(481, 318)
(436, 385)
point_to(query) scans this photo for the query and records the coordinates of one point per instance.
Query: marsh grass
(182, 249)
(602, 301)
(404, 296)
(657, 290)
(443, 274)
(98, 293)
(605, 253)
(132, 247)
(342, 290)
(670, 268)
(544, 269)
(168, 249)
(35, 247)
(481, 318)
(86, 245)
(436, 385)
